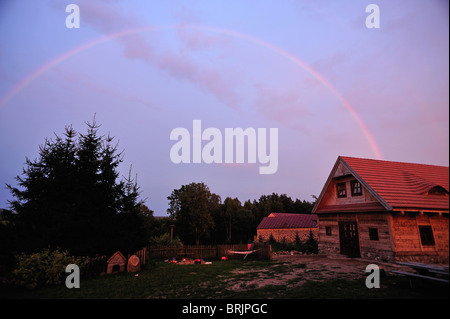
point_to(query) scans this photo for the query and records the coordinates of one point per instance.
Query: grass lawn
(160, 280)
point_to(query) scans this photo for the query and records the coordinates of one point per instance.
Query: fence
(142, 254)
(98, 265)
(209, 251)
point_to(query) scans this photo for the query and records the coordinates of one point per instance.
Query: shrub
(312, 244)
(260, 239)
(44, 268)
(271, 239)
(164, 240)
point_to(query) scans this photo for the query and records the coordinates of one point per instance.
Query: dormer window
(341, 190)
(438, 190)
(356, 188)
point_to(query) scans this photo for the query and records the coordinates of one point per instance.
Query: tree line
(200, 216)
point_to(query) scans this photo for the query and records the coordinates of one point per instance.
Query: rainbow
(47, 66)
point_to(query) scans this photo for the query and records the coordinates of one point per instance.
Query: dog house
(116, 263)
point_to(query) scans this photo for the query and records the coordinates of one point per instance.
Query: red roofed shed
(286, 226)
(385, 210)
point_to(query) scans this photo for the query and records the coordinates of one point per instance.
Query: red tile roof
(403, 185)
(283, 220)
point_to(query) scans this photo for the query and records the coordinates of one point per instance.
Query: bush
(310, 246)
(44, 268)
(164, 240)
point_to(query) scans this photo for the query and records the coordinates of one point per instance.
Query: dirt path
(294, 271)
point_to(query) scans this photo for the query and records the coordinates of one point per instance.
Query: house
(382, 210)
(286, 226)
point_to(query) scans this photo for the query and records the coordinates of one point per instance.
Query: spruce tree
(70, 198)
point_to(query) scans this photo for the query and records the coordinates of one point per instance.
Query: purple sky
(312, 69)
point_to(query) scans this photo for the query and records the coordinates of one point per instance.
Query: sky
(312, 70)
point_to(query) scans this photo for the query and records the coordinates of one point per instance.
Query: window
(328, 231)
(426, 235)
(438, 190)
(356, 188)
(341, 190)
(373, 233)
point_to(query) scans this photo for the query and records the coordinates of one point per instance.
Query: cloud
(197, 40)
(110, 19)
(184, 68)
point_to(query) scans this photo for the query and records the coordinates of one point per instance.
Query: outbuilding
(285, 227)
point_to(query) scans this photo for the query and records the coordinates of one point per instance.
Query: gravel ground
(295, 270)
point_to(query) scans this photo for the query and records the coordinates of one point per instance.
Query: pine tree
(47, 198)
(298, 242)
(311, 243)
(70, 197)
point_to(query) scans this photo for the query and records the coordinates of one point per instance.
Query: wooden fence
(209, 251)
(98, 265)
(142, 254)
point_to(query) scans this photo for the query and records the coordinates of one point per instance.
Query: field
(284, 277)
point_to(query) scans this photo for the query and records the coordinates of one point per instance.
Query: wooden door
(349, 239)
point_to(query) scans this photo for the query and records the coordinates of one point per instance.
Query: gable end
(355, 195)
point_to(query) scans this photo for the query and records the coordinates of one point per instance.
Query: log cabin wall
(408, 244)
(389, 237)
(328, 234)
(375, 239)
